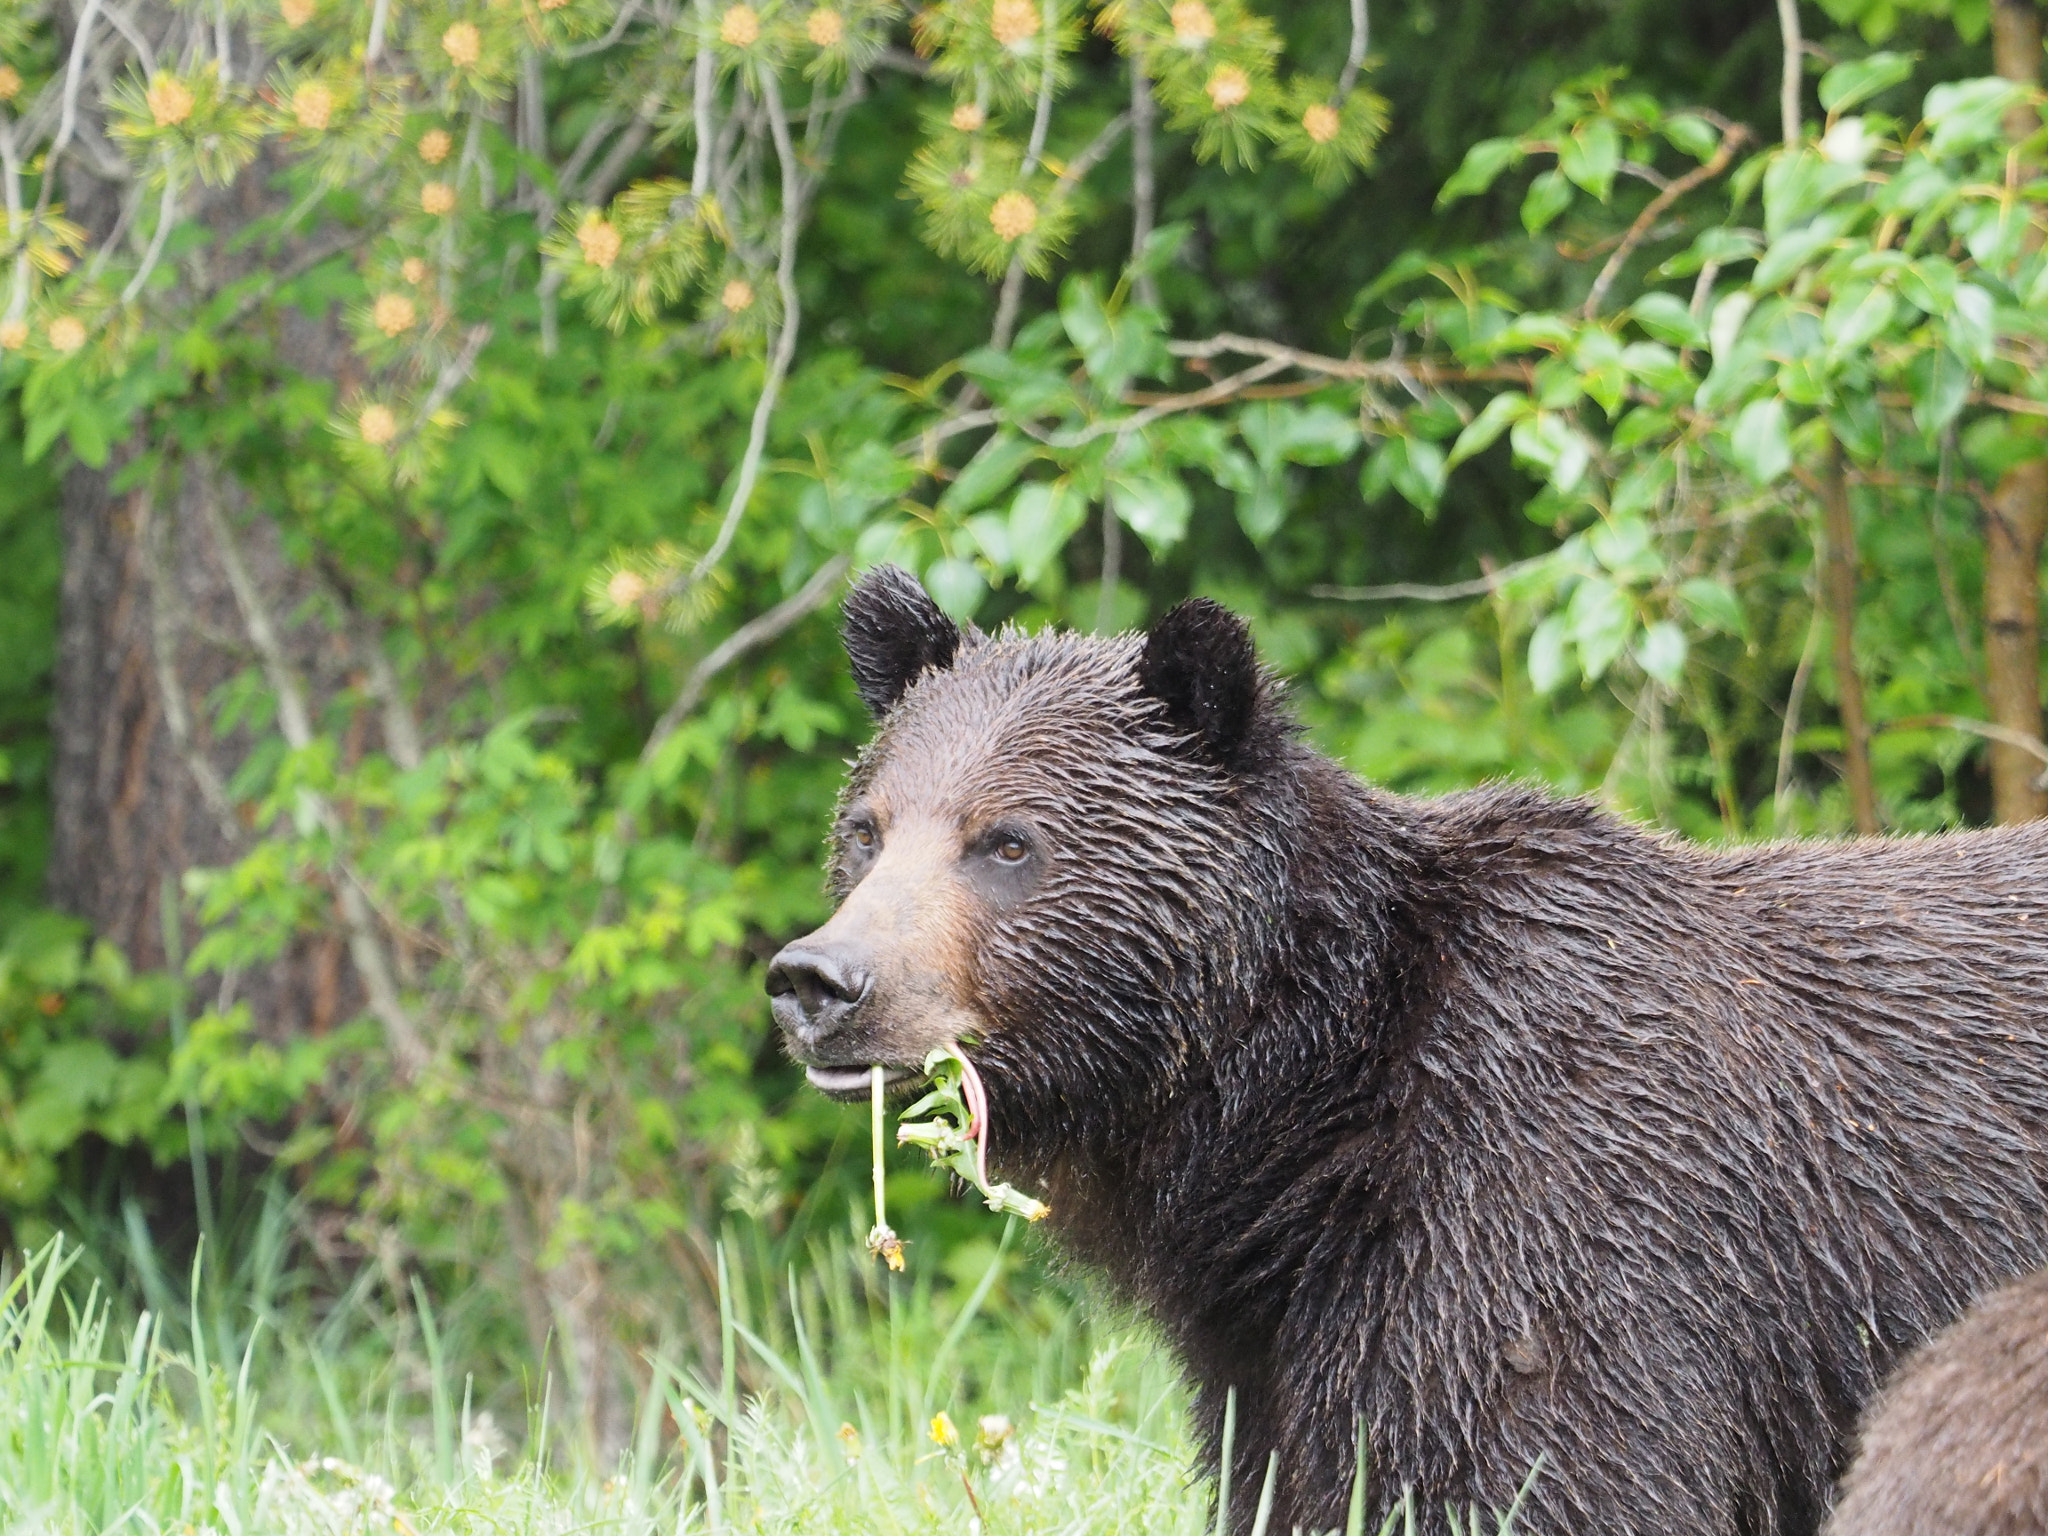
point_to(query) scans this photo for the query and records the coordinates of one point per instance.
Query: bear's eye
(863, 837)
(1011, 849)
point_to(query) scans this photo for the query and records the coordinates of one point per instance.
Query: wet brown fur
(1503, 1127)
(1957, 1443)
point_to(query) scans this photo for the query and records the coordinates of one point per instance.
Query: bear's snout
(816, 989)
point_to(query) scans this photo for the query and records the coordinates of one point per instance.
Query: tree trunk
(1838, 586)
(2015, 516)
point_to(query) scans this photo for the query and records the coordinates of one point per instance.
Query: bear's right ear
(1200, 663)
(894, 632)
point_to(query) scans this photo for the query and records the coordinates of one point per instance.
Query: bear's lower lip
(853, 1082)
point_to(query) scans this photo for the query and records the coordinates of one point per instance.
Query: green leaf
(1549, 655)
(1412, 466)
(955, 585)
(1153, 506)
(1668, 318)
(1760, 441)
(1972, 328)
(1857, 81)
(1661, 652)
(1548, 442)
(1599, 619)
(1043, 516)
(1713, 606)
(1965, 114)
(1940, 384)
(1500, 413)
(1548, 196)
(988, 474)
(1591, 155)
(1796, 248)
(1480, 168)
(1855, 317)
(1692, 135)
(1278, 431)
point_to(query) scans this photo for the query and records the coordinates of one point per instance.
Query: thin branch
(784, 350)
(453, 373)
(1795, 701)
(1391, 370)
(703, 82)
(1041, 121)
(366, 946)
(125, 25)
(1194, 400)
(618, 30)
(67, 122)
(166, 216)
(2033, 746)
(380, 19)
(1788, 80)
(1732, 139)
(1144, 187)
(750, 636)
(1419, 592)
(1361, 39)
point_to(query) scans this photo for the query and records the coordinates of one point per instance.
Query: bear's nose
(815, 990)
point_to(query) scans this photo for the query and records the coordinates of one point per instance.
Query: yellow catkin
(313, 105)
(377, 425)
(1014, 21)
(393, 314)
(1194, 24)
(463, 44)
(740, 27)
(600, 241)
(1320, 122)
(1228, 87)
(170, 101)
(1014, 216)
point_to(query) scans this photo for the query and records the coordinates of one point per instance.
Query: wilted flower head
(377, 425)
(435, 145)
(740, 27)
(600, 240)
(437, 198)
(1014, 216)
(825, 27)
(1228, 87)
(170, 100)
(463, 44)
(67, 333)
(1193, 23)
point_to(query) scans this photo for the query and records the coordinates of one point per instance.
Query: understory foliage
(575, 351)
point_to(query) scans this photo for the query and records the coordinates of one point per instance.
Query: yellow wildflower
(1014, 21)
(435, 145)
(826, 28)
(393, 313)
(1228, 87)
(67, 333)
(600, 240)
(377, 425)
(1193, 23)
(1320, 123)
(437, 198)
(740, 27)
(738, 296)
(943, 1431)
(463, 44)
(313, 105)
(967, 117)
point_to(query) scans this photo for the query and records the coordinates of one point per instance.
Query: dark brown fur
(1957, 1443)
(1503, 1127)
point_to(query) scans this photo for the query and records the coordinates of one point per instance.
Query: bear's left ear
(1200, 663)
(894, 632)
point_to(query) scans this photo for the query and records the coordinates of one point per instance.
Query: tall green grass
(836, 1400)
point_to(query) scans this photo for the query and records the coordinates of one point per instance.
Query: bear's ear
(1199, 662)
(893, 632)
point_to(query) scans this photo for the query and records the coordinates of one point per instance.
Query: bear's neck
(1194, 1214)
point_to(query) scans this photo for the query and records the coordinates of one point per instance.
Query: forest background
(437, 433)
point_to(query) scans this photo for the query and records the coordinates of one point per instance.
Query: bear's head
(1058, 852)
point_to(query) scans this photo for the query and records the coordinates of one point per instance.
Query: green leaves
(1482, 166)
(1850, 84)
(1760, 442)
(1043, 516)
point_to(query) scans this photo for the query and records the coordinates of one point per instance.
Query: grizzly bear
(1957, 1443)
(1489, 1128)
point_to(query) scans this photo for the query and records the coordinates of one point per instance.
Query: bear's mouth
(856, 1082)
